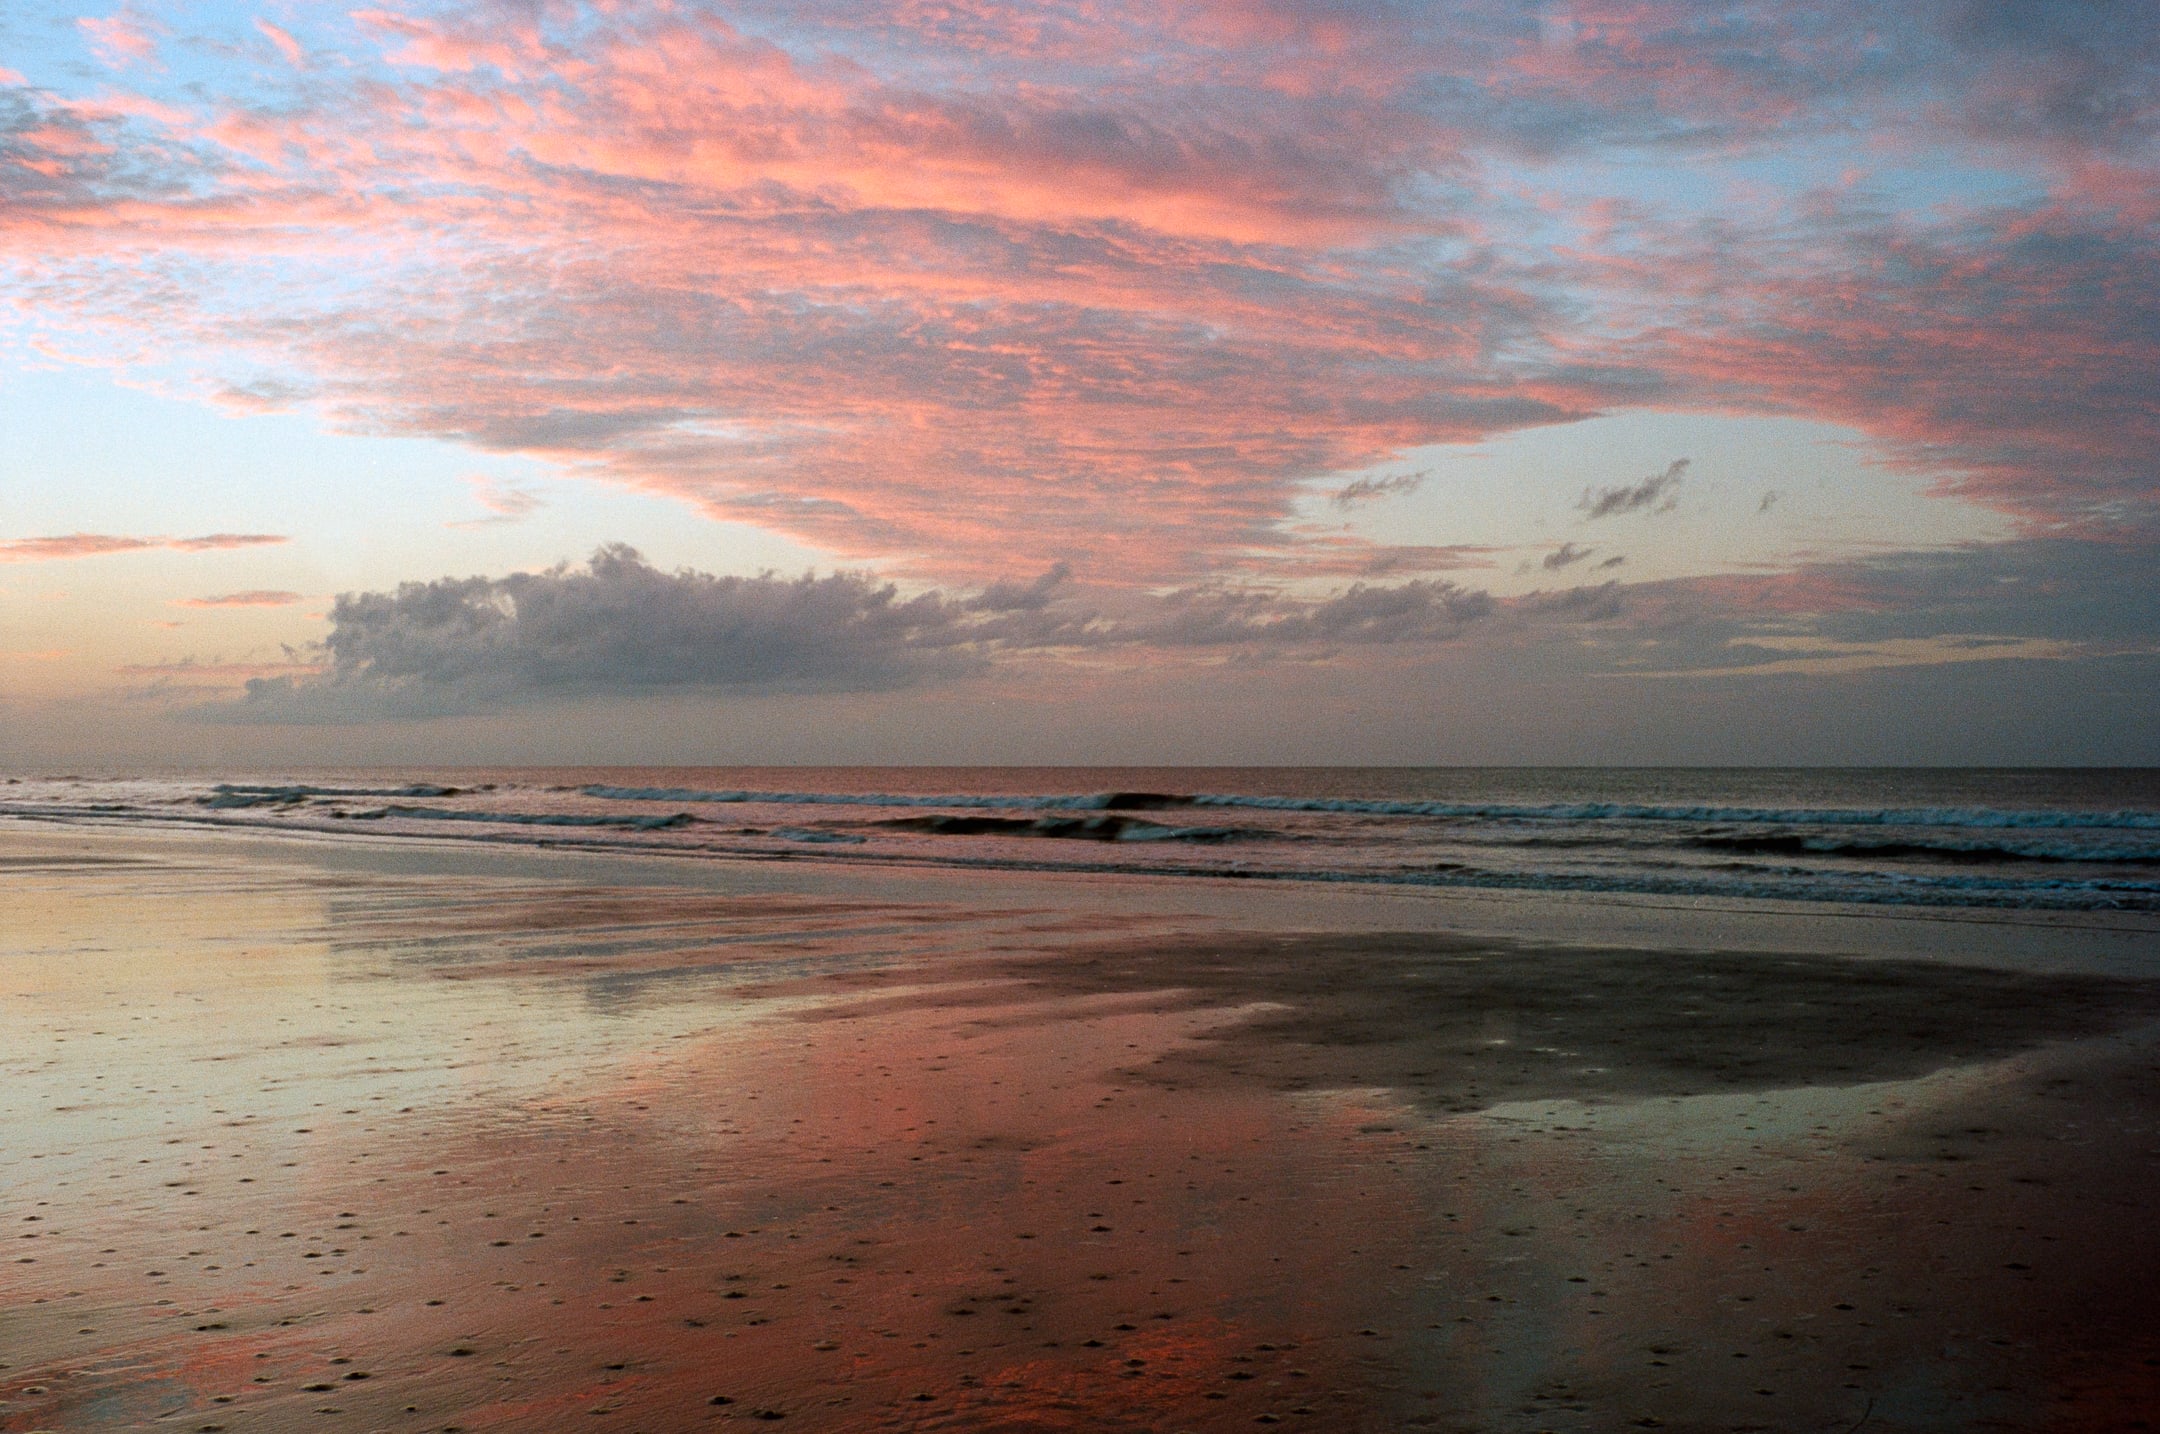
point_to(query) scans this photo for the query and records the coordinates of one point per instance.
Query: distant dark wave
(225, 796)
(1945, 850)
(1073, 802)
(1096, 828)
(1968, 817)
(620, 821)
(1090, 828)
(1965, 817)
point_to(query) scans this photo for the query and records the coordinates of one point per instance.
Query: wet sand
(427, 1139)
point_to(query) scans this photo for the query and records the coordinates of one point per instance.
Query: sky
(1047, 381)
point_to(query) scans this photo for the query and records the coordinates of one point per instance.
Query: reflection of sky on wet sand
(512, 1153)
(1922, 1254)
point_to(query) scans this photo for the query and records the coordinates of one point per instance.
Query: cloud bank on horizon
(1147, 296)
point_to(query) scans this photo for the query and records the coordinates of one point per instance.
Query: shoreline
(2112, 941)
(1958, 842)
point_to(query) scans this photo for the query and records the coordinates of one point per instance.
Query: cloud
(220, 541)
(260, 395)
(254, 597)
(1599, 602)
(1659, 493)
(1339, 554)
(505, 502)
(887, 307)
(2057, 599)
(91, 545)
(1986, 349)
(1566, 555)
(120, 39)
(71, 545)
(1421, 610)
(1016, 597)
(1125, 283)
(282, 39)
(195, 680)
(619, 627)
(1772, 656)
(216, 667)
(1365, 490)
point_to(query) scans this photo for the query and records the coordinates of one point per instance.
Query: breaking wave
(1079, 802)
(623, 822)
(1969, 817)
(1097, 828)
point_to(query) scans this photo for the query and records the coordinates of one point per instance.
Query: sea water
(2079, 839)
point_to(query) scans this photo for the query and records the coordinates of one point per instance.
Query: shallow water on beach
(326, 1135)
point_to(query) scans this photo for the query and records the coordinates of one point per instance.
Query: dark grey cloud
(619, 627)
(2062, 600)
(1596, 602)
(2086, 71)
(1366, 490)
(1659, 493)
(1022, 597)
(2060, 72)
(1566, 555)
(2098, 592)
(1424, 610)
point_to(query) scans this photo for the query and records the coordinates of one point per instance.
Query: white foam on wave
(1970, 817)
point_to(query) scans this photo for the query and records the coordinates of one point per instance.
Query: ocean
(2078, 839)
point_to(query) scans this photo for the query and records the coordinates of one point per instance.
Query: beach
(397, 1134)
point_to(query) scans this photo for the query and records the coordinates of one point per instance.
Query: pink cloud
(282, 38)
(91, 545)
(1991, 353)
(254, 597)
(71, 545)
(459, 47)
(120, 39)
(505, 503)
(211, 541)
(975, 285)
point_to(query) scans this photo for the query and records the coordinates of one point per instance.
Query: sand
(329, 1136)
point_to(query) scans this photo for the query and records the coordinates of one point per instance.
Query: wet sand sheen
(298, 1148)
